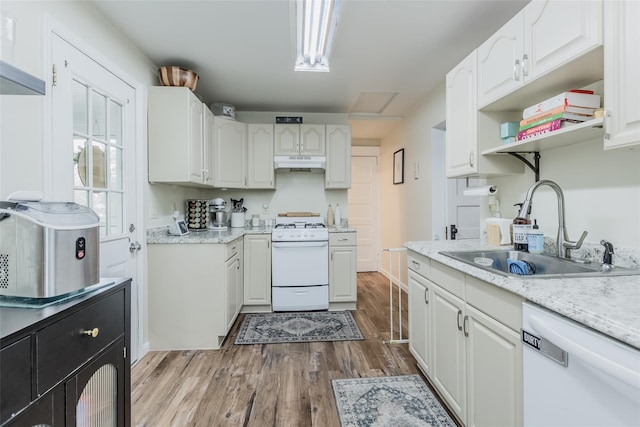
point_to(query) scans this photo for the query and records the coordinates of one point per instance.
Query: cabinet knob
(92, 332)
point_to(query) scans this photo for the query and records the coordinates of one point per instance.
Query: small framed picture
(398, 166)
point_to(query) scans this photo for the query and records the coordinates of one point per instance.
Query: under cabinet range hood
(300, 163)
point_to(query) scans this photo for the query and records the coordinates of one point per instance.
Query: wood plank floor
(270, 384)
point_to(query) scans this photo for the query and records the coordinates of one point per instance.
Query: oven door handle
(299, 245)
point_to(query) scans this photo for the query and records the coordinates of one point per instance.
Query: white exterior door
(462, 211)
(93, 158)
(363, 208)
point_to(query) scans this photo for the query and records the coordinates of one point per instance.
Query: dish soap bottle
(330, 217)
(521, 226)
(535, 239)
(337, 218)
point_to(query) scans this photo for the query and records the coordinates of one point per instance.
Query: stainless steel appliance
(47, 248)
(219, 215)
(300, 264)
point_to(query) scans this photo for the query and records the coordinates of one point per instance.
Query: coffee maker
(218, 214)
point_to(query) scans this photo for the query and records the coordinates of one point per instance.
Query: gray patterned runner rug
(270, 328)
(402, 401)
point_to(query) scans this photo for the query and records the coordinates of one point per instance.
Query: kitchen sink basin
(535, 265)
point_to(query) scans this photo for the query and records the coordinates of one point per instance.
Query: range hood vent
(300, 163)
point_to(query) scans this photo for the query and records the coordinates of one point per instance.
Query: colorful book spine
(576, 118)
(540, 129)
(542, 115)
(563, 99)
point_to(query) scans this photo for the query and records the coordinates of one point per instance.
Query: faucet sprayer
(563, 244)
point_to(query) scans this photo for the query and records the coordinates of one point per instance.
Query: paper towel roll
(482, 190)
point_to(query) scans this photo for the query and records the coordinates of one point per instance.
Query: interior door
(463, 212)
(94, 158)
(363, 209)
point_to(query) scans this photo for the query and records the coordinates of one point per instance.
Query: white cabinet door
(448, 361)
(287, 139)
(494, 372)
(257, 269)
(462, 118)
(209, 132)
(342, 274)
(338, 169)
(557, 31)
(419, 321)
(231, 286)
(175, 123)
(621, 73)
(312, 140)
(260, 172)
(499, 62)
(230, 142)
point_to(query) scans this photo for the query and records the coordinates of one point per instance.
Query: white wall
(405, 212)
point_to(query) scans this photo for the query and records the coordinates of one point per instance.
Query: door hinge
(54, 76)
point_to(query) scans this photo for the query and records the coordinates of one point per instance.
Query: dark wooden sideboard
(68, 363)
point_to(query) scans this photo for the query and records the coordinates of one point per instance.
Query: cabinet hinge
(54, 75)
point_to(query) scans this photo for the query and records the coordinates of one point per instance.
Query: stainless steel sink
(538, 265)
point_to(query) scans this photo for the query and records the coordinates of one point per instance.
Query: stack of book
(575, 106)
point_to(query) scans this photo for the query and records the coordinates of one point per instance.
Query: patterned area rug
(269, 328)
(404, 401)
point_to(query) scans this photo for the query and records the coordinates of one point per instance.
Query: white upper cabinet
(296, 140)
(500, 62)
(544, 37)
(622, 73)
(229, 142)
(338, 168)
(260, 173)
(462, 133)
(176, 137)
(208, 148)
(558, 31)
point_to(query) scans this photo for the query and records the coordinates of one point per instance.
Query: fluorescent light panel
(316, 22)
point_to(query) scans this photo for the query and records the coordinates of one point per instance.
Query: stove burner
(287, 225)
(315, 225)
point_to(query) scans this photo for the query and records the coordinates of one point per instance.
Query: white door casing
(364, 201)
(112, 194)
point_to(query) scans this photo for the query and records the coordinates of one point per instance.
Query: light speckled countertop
(160, 235)
(610, 305)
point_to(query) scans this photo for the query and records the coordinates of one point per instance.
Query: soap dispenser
(535, 239)
(521, 226)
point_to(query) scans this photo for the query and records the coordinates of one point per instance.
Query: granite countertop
(606, 304)
(161, 235)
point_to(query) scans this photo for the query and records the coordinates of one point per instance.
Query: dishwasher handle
(588, 356)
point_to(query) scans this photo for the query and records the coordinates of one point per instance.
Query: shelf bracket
(535, 167)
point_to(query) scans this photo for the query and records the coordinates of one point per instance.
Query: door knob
(135, 246)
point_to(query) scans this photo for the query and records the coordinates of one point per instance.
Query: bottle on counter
(521, 226)
(330, 217)
(337, 218)
(535, 239)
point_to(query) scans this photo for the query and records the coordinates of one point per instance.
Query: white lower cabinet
(342, 268)
(464, 334)
(257, 271)
(195, 294)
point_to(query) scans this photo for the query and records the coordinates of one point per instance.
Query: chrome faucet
(563, 244)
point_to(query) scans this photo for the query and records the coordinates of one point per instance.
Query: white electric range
(300, 264)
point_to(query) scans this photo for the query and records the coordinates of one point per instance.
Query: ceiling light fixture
(316, 22)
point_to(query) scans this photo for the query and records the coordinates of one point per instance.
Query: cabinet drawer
(64, 346)
(419, 263)
(502, 305)
(15, 378)
(448, 278)
(233, 248)
(342, 239)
